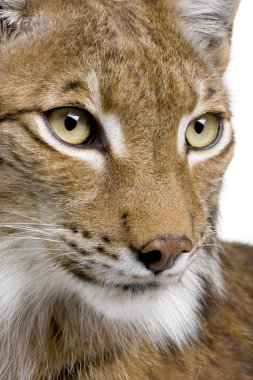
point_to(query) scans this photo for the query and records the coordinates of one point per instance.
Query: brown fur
(149, 75)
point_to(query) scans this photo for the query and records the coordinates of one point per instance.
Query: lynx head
(114, 137)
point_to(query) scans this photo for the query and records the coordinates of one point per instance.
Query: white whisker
(21, 215)
(28, 237)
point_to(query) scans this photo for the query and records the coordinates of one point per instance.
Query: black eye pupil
(70, 123)
(198, 126)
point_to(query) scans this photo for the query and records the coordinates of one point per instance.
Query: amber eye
(203, 131)
(72, 125)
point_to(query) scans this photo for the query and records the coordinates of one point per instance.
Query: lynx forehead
(114, 137)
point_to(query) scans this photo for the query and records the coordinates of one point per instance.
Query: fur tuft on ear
(12, 16)
(209, 24)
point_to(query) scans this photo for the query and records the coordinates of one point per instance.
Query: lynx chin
(115, 133)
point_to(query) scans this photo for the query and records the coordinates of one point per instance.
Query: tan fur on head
(74, 295)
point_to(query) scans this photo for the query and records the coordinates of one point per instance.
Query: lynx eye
(203, 132)
(71, 125)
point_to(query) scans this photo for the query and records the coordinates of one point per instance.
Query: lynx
(115, 133)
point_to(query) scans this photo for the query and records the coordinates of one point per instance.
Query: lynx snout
(161, 254)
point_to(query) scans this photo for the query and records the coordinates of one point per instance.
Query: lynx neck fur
(115, 133)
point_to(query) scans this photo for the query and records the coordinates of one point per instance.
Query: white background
(236, 222)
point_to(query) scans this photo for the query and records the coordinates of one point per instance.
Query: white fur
(170, 312)
(109, 122)
(113, 131)
(31, 283)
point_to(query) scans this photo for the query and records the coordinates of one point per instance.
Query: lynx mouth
(134, 288)
(128, 287)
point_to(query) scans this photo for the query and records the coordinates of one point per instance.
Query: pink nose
(160, 254)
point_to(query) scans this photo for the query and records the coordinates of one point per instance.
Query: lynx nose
(160, 254)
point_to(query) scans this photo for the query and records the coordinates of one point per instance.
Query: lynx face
(114, 135)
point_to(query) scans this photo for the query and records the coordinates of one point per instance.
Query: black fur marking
(106, 266)
(86, 234)
(82, 275)
(73, 370)
(12, 165)
(125, 221)
(114, 256)
(213, 362)
(106, 239)
(14, 115)
(73, 229)
(211, 91)
(56, 330)
(42, 143)
(21, 161)
(72, 85)
(76, 248)
(102, 250)
(73, 267)
(133, 249)
(214, 42)
(137, 289)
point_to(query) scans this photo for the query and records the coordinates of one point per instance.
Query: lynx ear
(12, 16)
(209, 24)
